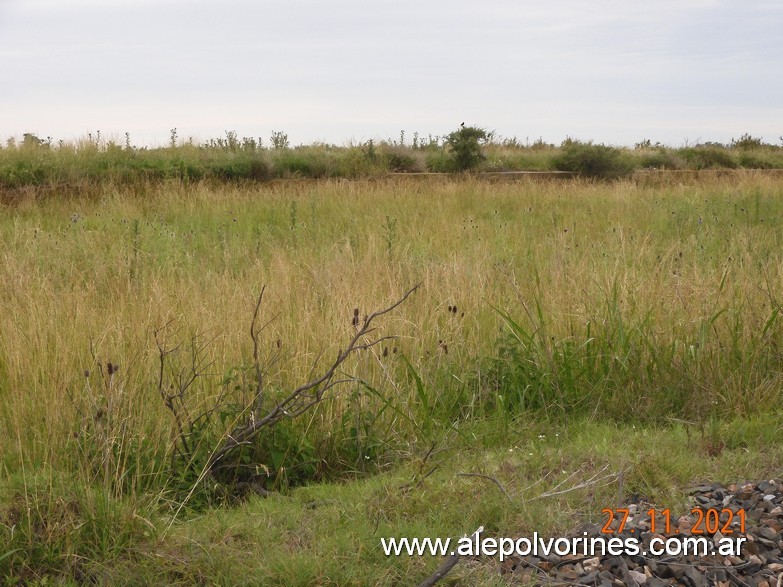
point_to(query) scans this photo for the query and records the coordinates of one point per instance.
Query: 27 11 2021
(706, 521)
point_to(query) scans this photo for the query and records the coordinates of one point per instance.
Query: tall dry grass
(676, 288)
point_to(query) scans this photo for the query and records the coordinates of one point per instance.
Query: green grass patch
(329, 534)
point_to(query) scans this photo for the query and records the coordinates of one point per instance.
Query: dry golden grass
(81, 274)
(612, 304)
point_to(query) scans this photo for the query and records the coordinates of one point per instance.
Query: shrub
(747, 142)
(660, 160)
(400, 162)
(235, 169)
(593, 161)
(439, 161)
(708, 157)
(755, 160)
(301, 162)
(465, 147)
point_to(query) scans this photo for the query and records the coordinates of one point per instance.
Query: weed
(390, 235)
(135, 249)
(293, 215)
(279, 140)
(369, 151)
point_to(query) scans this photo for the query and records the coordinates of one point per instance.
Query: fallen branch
(416, 483)
(447, 564)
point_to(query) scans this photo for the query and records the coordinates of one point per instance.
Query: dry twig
(447, 564)
(594, 480)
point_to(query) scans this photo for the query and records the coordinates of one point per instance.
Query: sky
(345, 71)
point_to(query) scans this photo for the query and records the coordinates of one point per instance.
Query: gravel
(755, 562)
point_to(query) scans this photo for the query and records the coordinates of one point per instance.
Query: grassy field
(560, 329)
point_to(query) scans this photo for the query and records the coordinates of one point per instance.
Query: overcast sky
(613, 71)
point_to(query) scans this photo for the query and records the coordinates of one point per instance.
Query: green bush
(760, 159)
(747, 142)
(708, 157)
(301, 162)
(593, 161)
(464, 145)
(660, 159)
(439, 162)
(399, 162)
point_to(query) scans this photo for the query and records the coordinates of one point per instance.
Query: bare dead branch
(259, 398)
(168, 399)
(303, 397)
(374, 342)
(447, 564)
(420, 481)
(174, 397)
